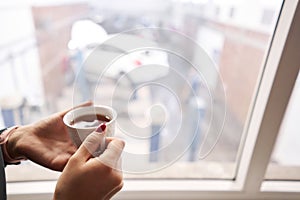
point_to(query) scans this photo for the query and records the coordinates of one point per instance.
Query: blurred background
(43, 45)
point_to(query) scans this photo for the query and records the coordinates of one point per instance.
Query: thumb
(93, 145)
(111, 156)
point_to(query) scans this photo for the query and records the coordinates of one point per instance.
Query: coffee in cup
(84, 120)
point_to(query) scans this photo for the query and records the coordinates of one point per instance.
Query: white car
(112, 56)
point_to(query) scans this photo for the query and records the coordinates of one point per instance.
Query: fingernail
(101, 128)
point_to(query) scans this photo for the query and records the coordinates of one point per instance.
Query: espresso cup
(82, 121)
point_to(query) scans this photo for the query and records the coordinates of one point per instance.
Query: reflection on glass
(49, 50)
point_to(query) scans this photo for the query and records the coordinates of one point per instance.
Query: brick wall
(52, 28)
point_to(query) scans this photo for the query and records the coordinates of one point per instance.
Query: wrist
(12, 147)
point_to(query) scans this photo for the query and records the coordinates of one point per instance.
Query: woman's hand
(45, 142)
(92, 178)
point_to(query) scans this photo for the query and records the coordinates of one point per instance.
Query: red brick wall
(241, 61)
(53, 26)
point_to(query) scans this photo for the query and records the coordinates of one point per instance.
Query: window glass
(187, 113)
(285, 161)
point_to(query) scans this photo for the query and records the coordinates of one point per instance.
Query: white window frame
(269, 105)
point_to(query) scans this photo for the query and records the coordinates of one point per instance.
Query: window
(251, 64)
(231, 12)
(267, 17)
(285, 163)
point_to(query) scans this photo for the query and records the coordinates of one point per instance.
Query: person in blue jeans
(47, 143)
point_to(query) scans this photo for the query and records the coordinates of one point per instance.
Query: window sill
(167, 189)
(196, 170)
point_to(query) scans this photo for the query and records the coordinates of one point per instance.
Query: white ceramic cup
(79, 134)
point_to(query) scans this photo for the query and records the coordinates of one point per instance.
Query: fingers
(95, 141)
(95, 145)
(87, 103)
(111, 155)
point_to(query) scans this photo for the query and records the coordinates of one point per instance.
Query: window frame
(269, 105)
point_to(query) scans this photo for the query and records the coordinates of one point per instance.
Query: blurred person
(47, 143)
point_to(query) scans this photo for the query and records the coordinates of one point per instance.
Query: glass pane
(181, 106)
(285, 160)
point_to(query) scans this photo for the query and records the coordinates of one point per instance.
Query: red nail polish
(101, 128)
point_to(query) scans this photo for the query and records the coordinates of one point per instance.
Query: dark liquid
(87, 121)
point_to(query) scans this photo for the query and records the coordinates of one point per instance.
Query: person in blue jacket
(47, 143)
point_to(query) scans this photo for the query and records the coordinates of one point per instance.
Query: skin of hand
(45, 142)
(92, 178)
